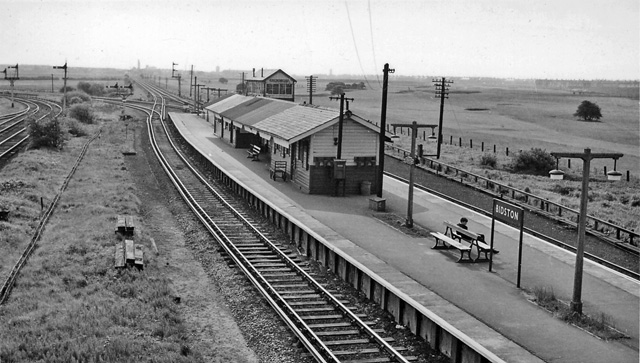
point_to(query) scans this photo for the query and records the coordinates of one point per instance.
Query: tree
(588, 111)
(45, 133)
(223, 80)
(337, 90)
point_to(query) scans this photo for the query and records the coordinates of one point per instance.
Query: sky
(555, 39)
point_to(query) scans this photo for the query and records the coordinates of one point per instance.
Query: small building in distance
(274, 84)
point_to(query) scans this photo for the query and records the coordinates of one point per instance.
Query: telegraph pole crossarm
(586, 156)
(342, 98)
(414, 126)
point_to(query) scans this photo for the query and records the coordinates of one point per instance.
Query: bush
(535, 161)
(46, 133)
(94, 89)
(74, 96)
(489, 160)
(83, 113)
(74, 128)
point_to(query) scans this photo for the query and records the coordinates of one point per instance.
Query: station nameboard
(507, 213)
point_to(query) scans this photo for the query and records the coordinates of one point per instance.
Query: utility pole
(11, 77)
(412, 161)
(340, 122)
(383, 126)
(64, 99)
(311, 87)
(442, 92)
(576, 302)
(51, 82)
(173, 75)
(191, 81)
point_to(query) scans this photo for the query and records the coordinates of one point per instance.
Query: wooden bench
(463, 234)
(125, 225)
(448, 243)
(254, 152)
(279, 169)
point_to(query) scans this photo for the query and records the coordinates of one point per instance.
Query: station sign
(507, 213)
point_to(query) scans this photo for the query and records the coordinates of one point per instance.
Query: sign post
(512, 215)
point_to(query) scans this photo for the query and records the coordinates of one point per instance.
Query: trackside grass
(69, 303)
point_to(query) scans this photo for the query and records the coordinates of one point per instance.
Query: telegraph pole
(383, 126)
(576, 302)
(196, 95)
(311, 87)
(51, 82)
(442, 92)
(64, 99)
(340, 122)
(11, 77)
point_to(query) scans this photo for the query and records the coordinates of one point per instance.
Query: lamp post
(576, 303)
(412, 161)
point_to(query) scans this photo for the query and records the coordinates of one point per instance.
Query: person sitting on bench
(463, 225)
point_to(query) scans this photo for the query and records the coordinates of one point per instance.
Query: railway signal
(178, 76)
(11, 76)
(64, 99)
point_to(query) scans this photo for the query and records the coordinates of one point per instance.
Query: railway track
(13, 131)
(325, 322)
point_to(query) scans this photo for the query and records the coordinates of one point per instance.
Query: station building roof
(270, 74)
(225, 103)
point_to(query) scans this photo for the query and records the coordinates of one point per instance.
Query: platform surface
(485, 304)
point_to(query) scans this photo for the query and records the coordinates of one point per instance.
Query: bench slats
(448, 242)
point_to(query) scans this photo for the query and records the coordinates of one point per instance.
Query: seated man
(463, 225)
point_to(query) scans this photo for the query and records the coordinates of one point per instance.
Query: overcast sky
(586, 39)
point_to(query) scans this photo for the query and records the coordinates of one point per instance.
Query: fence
(569, 215)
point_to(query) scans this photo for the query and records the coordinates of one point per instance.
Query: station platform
(474, 300)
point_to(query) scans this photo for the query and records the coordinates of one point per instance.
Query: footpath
(490, 297)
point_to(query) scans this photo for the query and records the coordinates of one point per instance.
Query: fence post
(627, 175)
(494, 148)
(460, 142)
(569, 163)
(605, 170)
(482, 147)
(450, 139)
(470, 143)
(507, 151)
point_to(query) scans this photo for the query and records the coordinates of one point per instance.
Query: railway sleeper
(364, 351)
(345, 332)
(354, 341)
(319, 302)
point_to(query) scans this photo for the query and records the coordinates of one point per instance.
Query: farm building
(276, 84)
(303, 140)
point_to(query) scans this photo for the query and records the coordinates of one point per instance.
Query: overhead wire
(373, 48)
(355, 45)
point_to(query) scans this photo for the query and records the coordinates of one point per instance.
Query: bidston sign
(506, 212)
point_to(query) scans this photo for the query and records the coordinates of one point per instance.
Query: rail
(596, 226)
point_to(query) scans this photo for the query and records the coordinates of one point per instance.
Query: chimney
(254, 72)
(262, 72)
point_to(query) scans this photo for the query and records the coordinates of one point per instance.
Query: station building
(305, 139)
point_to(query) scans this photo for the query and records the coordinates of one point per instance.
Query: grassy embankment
(69, 303)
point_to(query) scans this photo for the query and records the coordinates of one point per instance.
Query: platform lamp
(412, 161)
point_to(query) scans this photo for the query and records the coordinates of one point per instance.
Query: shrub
(562, 189)
(46, 133)
(82, 113)
(489, 160)
(76, 94)
(94, 89)
(69, 89)
(74, 127)
(535, 161)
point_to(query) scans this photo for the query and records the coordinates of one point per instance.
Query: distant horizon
(343, 75)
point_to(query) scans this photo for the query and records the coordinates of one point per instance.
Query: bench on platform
(279, 169)
(125, 225)
(254, 152)
(461, 234)
(448, 243)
